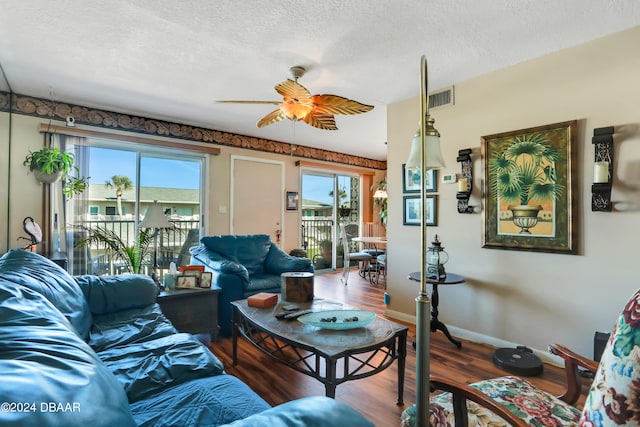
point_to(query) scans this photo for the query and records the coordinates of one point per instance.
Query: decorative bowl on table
(338, 319)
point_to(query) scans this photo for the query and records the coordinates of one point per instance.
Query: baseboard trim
(475, 337)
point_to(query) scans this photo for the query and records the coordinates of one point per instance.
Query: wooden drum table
(297, 286)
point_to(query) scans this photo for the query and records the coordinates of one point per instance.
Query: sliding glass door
(328, 200)
(125, 179)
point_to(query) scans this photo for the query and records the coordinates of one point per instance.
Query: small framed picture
(186, 282)
(411, 180)
(292, 200)
(205, 279)
(192, 268)
(412, 210)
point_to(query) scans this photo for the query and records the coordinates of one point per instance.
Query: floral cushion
(614, 397)
(519, 396)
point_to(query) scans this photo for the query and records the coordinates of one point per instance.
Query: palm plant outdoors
(132, 255)
(121, 184)
(525, 171)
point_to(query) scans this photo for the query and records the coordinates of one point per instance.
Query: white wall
(519, 297)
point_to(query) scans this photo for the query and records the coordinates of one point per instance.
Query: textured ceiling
(172, 60)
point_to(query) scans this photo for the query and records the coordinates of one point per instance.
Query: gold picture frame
(529, 189)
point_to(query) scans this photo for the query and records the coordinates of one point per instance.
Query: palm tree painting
(524, 179)
(121, 184)
(528, 188)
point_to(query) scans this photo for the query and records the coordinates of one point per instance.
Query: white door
(257, 192)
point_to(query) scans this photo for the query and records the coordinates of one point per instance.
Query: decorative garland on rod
(38, 107)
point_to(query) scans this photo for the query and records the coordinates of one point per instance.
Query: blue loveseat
(97, 351)
(243, 266)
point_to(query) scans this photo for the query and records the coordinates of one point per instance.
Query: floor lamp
(156, 219)
(425, 155)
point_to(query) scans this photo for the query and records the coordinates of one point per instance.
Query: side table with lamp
(436, 275)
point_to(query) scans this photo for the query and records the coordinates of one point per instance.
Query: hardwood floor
(375, 397)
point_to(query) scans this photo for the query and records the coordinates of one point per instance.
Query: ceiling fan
(298, 104)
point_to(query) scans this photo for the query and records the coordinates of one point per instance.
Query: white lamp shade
(380, 194)
(155, 217)
(433, 154)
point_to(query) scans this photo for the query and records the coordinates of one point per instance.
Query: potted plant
(132, 255)
(524, 173)
(49, 164)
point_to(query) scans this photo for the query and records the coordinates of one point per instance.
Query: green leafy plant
(131, 255)
(525, 171)
(344, 207)
(52, 161)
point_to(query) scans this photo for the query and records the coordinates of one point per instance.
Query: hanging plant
(50, 164)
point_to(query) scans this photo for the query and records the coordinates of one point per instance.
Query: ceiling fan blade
(293, 91)
(320, 120)
(249, 102)
(334, 104)
(272, 117)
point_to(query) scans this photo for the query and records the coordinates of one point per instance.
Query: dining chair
(613, 398)
(363, 259)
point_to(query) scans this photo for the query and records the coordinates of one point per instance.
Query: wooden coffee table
(330, 356)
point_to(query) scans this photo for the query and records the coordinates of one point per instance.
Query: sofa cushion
(109, 294)
(148, 367)
(209, 401)
(40, 274)
(250, 251)
(278, 262)
(44, 362)
(216, 261)
(129, 326)
(263, 283)
(317, 411)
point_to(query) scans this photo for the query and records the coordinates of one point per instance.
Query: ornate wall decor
(530, 189)
(107, 119)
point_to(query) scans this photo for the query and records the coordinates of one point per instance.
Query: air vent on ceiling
(441, 98)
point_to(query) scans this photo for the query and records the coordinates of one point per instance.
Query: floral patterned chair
(614, 396)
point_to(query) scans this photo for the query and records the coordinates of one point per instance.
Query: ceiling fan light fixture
(299, 105)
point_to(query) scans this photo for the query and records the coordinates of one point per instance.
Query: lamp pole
(428, 135)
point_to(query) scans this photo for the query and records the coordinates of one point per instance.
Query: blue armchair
(242, 266)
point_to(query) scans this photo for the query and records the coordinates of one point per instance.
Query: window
(126, 178)
(184, 211)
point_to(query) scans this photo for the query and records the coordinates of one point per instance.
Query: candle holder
(465, 184)
(602, 170)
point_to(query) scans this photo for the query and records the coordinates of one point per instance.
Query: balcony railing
(96, 259)
(317, 236)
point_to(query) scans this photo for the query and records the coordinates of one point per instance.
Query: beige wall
(518, 297)
(26, 194)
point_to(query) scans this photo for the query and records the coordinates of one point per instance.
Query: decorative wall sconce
(465, 184)
(602, 169)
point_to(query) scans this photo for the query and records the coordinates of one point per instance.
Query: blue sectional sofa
(97, 351)
(243, 266)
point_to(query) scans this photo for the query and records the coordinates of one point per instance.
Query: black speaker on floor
(599, 343)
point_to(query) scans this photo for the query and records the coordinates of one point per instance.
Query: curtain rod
(333, 166)
(63, 130)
